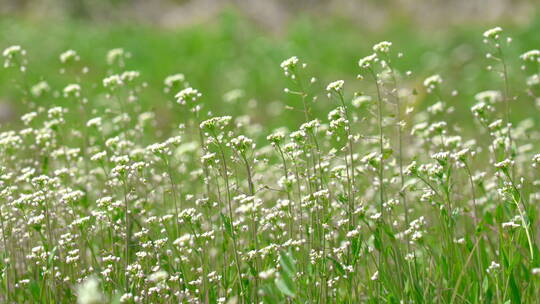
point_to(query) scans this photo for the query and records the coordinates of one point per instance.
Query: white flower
(504, 164)
(115, 55)
(88, 292)
(158, 276)
(219, 122)
(432, 81)
(382, 47)
(174, 79)
(11, 53)
(126, 297)
(40, 88)
(367, 61)
(187, 95)
(533, 80)
(267, 273)
(335, 86)
(242, 143)
(493, 33)
(361, 100)
(493, 267)
(128, 76)
(94, 122)
(72, 90)
(532, 55)
(113, 81)
(490, 96)
(289, 64)
(69, 55)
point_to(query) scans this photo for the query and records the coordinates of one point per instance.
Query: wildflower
(187, 95)
(361, 100)
(40, 88)
(72, 90)
(158, 276)
(432, 82)
(125, 298)
(505, 164)
(267, 273)
(493, 267)
(129, 76)
(367, 61)
(68, 56)
(289, 64)
(28, 117)
(510, 224)
(382, 47)
(411, 169)
(335, 86)
(88, 292)
(94, 122)
(536, 160)
(175, 79)
(532, 55)
(533, 80)
(116, 55)
(216, 123)
(489, 96)
(112, 82)
(276, 138)
(11, 53)
(242, 143)
(493, 33)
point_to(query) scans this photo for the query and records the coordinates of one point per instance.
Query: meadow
(220, 164)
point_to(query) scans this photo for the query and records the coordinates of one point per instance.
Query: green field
(325, 163)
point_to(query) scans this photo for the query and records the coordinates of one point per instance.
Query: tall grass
(377, 202)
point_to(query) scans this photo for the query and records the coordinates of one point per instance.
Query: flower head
(382, 47)
(335, 86)
(187, 95)
(493, 33)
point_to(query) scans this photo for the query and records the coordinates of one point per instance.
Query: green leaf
(285, 282)
(287, 263)
(514, 290)
(284, 287)
(338, 265)
(227, 224)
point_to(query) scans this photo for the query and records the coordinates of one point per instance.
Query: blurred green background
(224, 46)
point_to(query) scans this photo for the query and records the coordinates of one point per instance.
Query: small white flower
(187, 95)
(158, 276)
(335, 86)
(382, 47)
(73, 89)
(40, 88)
(493, 33)
(112, 82)
(69, 55)
(289, 64)
(532, 55)
(172, 80)
(433, 81)
(88, 292)
(493, 267)
(116, 55)
(367, 61)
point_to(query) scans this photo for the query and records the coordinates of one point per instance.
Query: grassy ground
(403, 172)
